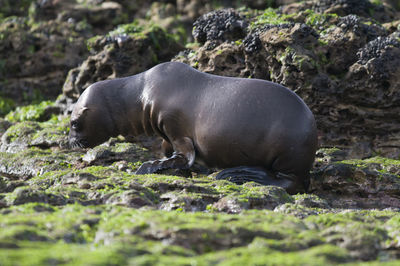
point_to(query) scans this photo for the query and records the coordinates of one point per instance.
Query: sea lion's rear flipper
(177, 161)
(182, 158)
(243, 174)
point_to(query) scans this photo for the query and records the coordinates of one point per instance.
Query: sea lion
(262, 129)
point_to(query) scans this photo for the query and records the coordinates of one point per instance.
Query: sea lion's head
(90, 123)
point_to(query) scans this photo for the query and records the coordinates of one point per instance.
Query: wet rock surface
(62, 206)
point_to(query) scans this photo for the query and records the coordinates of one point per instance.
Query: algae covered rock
(344, 66)
(35, 58)
(115, 52)
(4, 125)
(116, 152)
(141, 237)
(52, 133)
(369, 183)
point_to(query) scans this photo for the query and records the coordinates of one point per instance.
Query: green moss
(377, 2)
(192, 46)
(322, 42)
(113, 235)
(35, 162)
(239, 42)
(371, 217)
(254, 190)
(39, 222)
(64, 254)
(92, 41)
(53, 130)
(127, 29)
(329, 150)
(35, 112)
(385, 163)
(21, 131)
(6, 104)
(270, 16)
(318, 20)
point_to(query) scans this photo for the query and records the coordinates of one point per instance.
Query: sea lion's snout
(78, 142)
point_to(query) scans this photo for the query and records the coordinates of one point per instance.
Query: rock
(369, 183)
(219, 25)
(97, 15)
(38, 57)
(190, 10)
(376, 76)
(133, 199)
(259, 197)
(329, 155)
(296, 210)
(345, 40)
(340, 66)
(185, 201)
(227, 58)
(23, 195)
(22, 135)
(362, 8)
(33, 162)
(78, 178)
(362, 241)
(18, 137)
(311, 201)
(4, 125)
(111, 152)
(115, 54)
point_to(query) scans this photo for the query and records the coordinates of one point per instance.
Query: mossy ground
(100, 215)
(41, 234)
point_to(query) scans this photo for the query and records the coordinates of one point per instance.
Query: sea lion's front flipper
(243, 174)
(182, 158)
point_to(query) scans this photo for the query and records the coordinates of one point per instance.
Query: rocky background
(86, 207)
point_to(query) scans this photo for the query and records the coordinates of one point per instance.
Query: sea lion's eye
(74, 124)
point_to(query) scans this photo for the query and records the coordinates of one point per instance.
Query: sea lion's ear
(83, 110)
